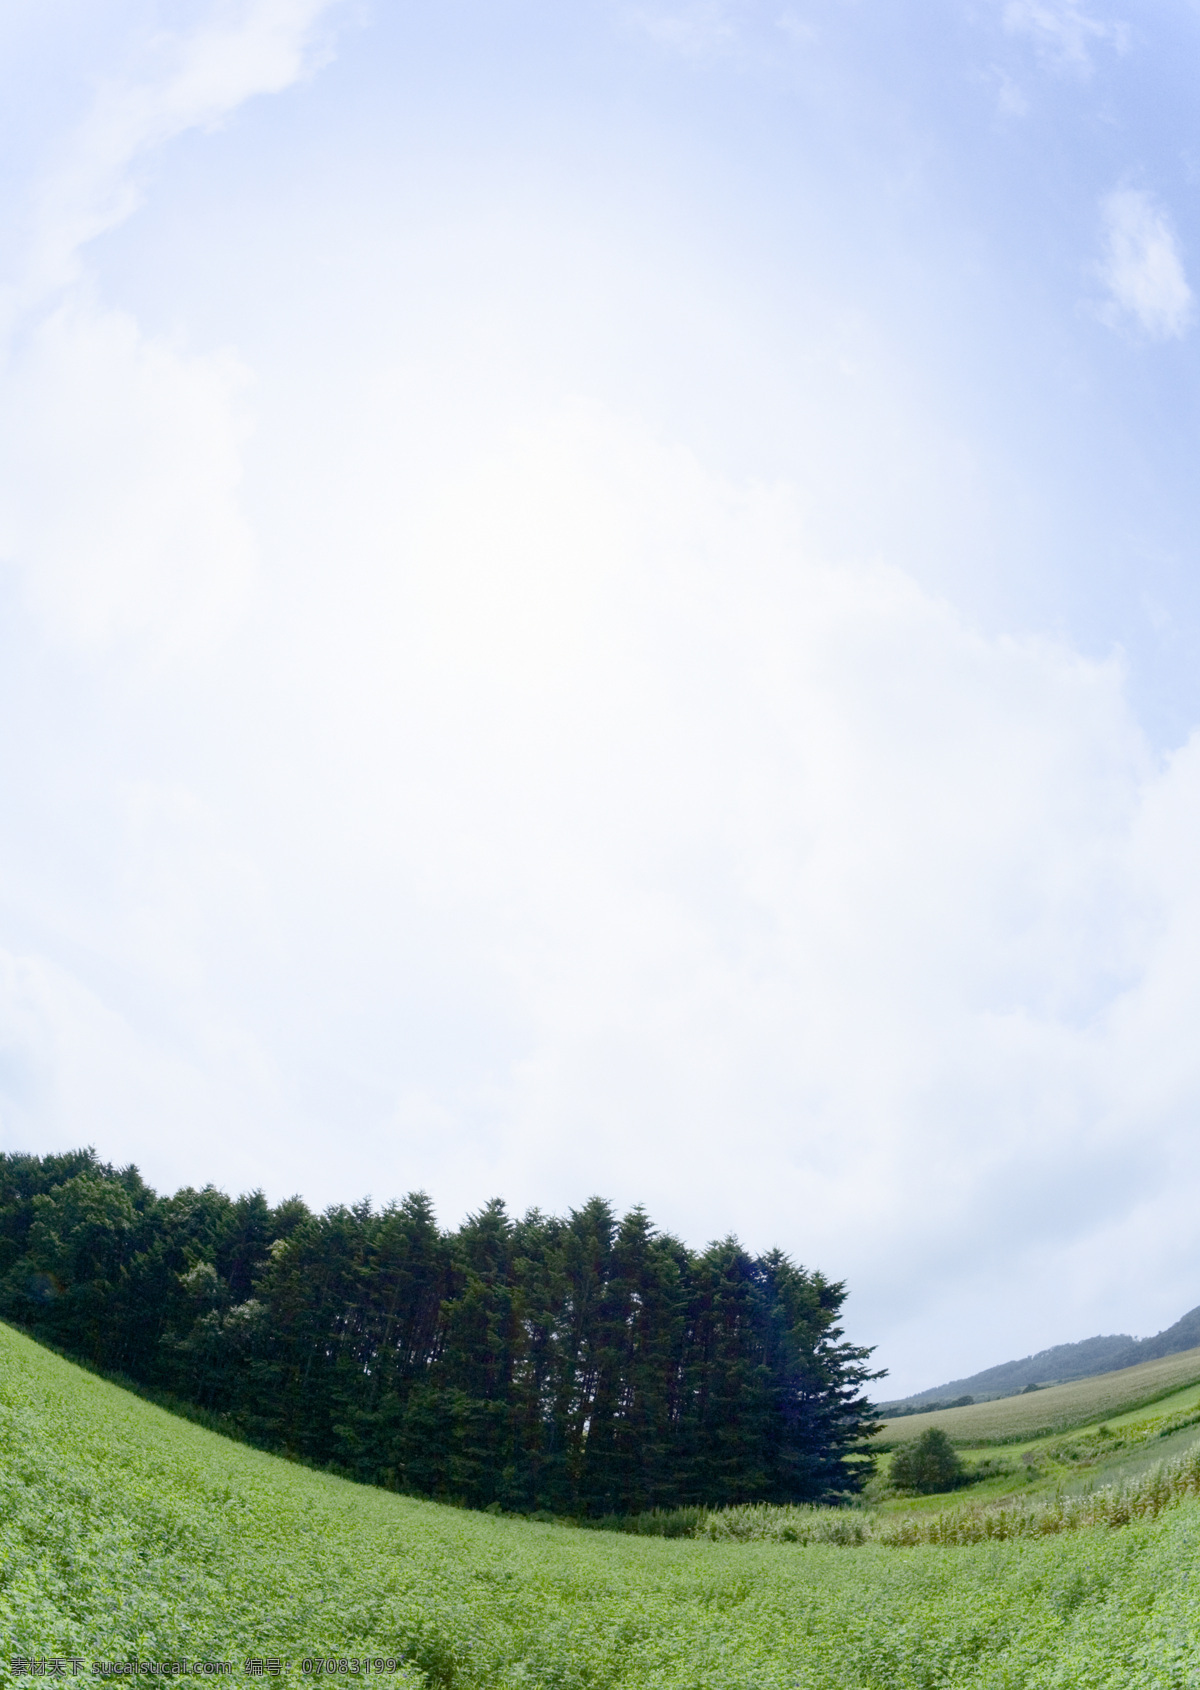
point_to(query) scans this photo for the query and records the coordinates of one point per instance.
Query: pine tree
(577, 1365)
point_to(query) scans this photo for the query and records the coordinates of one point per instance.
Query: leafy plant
(129, 1535)
(928, 1464)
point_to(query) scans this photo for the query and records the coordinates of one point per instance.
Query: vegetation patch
(585, 1364)
(1144, 1498)
(927, 1465)
(1100, 1443)
(1058, 1408)
(129, 1535)
(1165, 1485)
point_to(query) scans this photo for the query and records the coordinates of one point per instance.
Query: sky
(605, 599)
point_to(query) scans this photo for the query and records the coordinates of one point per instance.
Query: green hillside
(1056, 1409)
(1056, 1366)
(127, 1534)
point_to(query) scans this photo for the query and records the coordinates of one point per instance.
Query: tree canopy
(927, 1464)
(585, 1364)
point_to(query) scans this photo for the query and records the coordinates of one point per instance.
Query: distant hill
(1058, 1365)
(1059, 1408)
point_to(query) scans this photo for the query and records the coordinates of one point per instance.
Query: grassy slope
(126, 1532)
(1058, 1463)
(1176, 1403)
(1057, 1409)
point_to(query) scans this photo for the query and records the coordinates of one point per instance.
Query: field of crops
(129, 1535)
(1056, 1409)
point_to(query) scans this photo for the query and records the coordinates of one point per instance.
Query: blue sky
(604, 598)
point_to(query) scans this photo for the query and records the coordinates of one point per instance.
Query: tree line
(934, 1407)
(584, 1365)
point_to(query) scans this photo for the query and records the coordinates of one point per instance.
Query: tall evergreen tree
(583, 1364)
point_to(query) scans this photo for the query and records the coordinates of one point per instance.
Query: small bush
(995, 1467)
(928, 1464)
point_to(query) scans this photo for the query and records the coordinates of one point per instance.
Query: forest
(584, 1366)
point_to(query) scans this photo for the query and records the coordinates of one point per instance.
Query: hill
(1056, 1409)
(1048, 1367)
(127, 1535)
(1059, 1364)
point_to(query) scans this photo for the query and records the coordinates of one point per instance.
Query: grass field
(1111, 1451)
(1059, 1408)
(127, 1534)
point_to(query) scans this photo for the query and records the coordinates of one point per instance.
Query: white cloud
(121, 452)
(191, 79)
(564, 819)
(811, 901)
(801, 31)
(77, 1068)
(1143, 267)
(600, 836)
(731, 29)
(118, 494)
(698, 29)
(1063, 31)
(1011, 100)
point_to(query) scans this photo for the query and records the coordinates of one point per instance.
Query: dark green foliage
(928, 1464)
(892, 1413)
(586, 1366)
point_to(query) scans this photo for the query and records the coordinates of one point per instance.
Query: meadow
(1058, 1408)
(127, 1534)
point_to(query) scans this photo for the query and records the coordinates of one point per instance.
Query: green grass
(1059, 1408)
(1114, 1452)
(1179, 1402)
(126, 1533)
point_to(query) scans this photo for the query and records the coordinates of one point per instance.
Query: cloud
(119, 491)
(1143, 268)
(77, 1067)
(189, 79)
(699, 29)
(601, 836)
(586, 830)
(730, 29)
(1011, 100)
(1063, 31)
(121, 451)
(817, 912)
(567, 815)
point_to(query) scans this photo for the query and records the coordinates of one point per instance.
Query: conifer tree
(583, 1365)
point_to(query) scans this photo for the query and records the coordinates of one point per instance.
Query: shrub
(929, 1463)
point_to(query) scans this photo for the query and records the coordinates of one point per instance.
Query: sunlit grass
(127, 1533)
